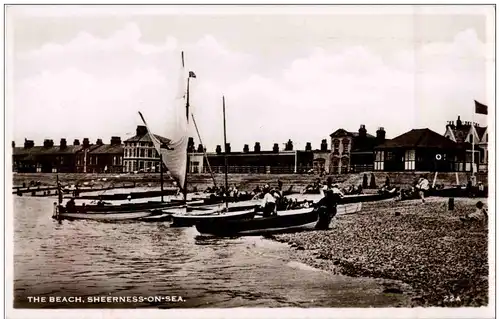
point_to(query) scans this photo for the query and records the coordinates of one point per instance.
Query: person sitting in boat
(70, 206)
(269, 203)
(328, 186)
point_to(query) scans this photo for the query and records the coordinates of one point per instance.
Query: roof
(341, 132)
(420, 138)
(480, 131)
(460, 133)
(147, 138)
(463, 130)
(108, 149)
(41, 150)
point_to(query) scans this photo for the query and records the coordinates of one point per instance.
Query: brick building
(140, 154)
(353, 151)
(106, 158)
(275, 161)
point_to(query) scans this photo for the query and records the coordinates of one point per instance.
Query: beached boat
(217, 215)
(62, 213)
(286, 221)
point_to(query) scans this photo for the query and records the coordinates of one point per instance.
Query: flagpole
(473, 178)
(225, 147)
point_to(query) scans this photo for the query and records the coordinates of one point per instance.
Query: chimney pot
(76, 142)
(63, 144)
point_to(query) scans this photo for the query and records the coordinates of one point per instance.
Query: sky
(287, 72)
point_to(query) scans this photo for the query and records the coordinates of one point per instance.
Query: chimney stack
(86, 143)
(76, 142)
(362, 131)
(276, 148)
(63, 144)
(99, 142)
(141, 130)
(459, 122)
(48, 143)
(246, 149)
(28, 143)
(13, 144)
(380, 135)
(256, 147)
(200, 148)
(324, 146)
(116, 140)
(308, 146)
(228, 148)
(218, 149)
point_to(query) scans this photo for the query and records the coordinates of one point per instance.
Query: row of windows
(136, 144)
(142, 152)
(148, 166)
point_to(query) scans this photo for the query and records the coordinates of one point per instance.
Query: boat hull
(288, 221)
(61, 213)
(179, 220)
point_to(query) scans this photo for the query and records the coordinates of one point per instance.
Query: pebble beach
(425, 246)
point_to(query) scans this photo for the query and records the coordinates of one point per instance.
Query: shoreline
(432, 251)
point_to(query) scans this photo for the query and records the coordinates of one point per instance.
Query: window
(379, 161)
(142, 152)
(410, 160)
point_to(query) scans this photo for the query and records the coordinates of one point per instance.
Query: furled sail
(174, 154)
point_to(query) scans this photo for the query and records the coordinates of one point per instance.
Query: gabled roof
(480, 131)
(420, 138)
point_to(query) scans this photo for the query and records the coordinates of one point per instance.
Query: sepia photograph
(238, 161)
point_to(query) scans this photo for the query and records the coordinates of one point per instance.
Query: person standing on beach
(423, 187)
(268, 203)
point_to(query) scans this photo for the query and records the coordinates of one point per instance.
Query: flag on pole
(192, 75)
(481, 108)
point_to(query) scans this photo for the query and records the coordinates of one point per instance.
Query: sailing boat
(175, 157)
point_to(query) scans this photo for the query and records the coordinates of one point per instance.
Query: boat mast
(161, 177)
(225, 148)
(184, 188)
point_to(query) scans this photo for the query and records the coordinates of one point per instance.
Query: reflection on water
(88, 258)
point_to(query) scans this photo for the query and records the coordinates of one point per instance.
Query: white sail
(174, 154)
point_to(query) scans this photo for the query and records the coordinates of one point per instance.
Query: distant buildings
(64, 158)
(416, 150)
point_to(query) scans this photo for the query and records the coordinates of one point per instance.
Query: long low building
(257, 161)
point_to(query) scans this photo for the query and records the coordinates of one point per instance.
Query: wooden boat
(286, 221)
(61, 213)
(187, 220)
(132, 195)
